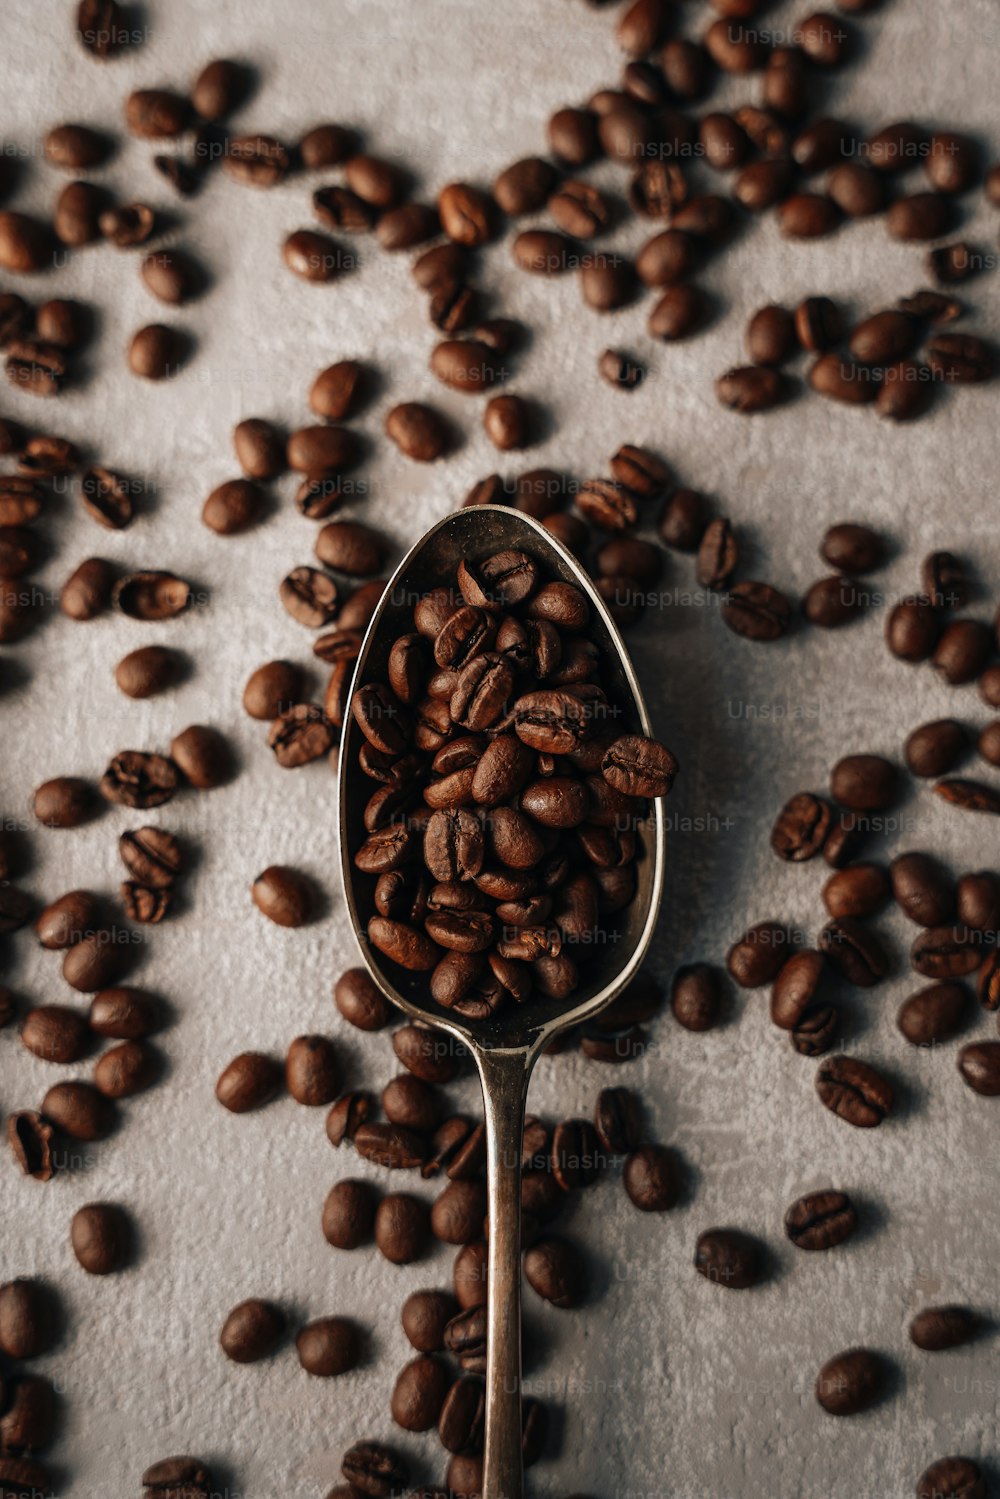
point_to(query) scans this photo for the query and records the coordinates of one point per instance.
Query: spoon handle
(504, 1076)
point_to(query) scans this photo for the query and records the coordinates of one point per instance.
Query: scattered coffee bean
(979, 1064)
(758, 955)
(696, 997)
(101, 1237)
(328, 1346)
(913, 628)
(418, 431)
(854, 1091)
(939, 1327)
(55, 1033)
(554, 1270)
(852, 548)
(728, 1257)
(756, 611)
(425, 1317)
(933, 1014)
(652, 1178)
(27, 1319)
(854, 951)
(821, 1220)
(795, 988)
(401, 1227)
(349, 1214)
(864, 783)
(952, 1478)
(248, 1082)
(860, 890)
(157, 352)
(65, 802)
(312, 1071)
(850, 1382)
(801, 827)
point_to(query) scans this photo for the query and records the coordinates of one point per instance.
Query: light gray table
(667, 1385)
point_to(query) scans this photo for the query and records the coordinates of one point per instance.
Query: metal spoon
(506, 1046)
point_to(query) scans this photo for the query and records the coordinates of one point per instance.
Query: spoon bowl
(506, 1045)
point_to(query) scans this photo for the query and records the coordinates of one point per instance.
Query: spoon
(506, 1046)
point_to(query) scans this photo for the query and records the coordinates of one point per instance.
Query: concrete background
(667, 1386)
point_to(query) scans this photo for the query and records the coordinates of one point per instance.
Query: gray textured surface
(669, 1386)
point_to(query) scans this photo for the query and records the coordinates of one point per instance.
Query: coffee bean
(834, 602)
(312, 1071)
(360, 1002)
(857, 191)
(680, 312)
(425, 1316)
(620, 370)
(758, 955)
(312, 256)
(27, 1425)
(310, 597)
(418, 431)
(945, 952)
(940, 1327)
(913, 628)
(756, 611)
(960, 358)
(935, 748)
(819, 328)
(962, 651)
(101, 1237)
(989, 686)
(79, 1110)
(864, 783)
(97, 960)
(854, 1091)
(524, 186)
(373, 1469)
(945, 580)
(795, 987)
(652, 1178)
(55, 1033)
(253, 1330)
(860, 890)
(233, 507)
(922, 889)
(248, 1082)
(639, 767)
(30, 1139)
(349, 1214)
(771, 336)
(717, 555)
(884, 338)
(271, 688)
(801, 827)
(816, 1031)
(157, 352)
(821, 1220)
(728, 1257)
(328, 1346)
(843, 380)
(465, 365)
(65, 921)
(850, 1382)
(145, 672)
(152, 595)
(128, 226)
(934, 1014)
(979, 1064)
(979, 901)
(854, 951)
(38, 368)
(26, 244)
(808, 216)
(401, 1227)
(750, 388)
(696, 997)
(457, 1215)
(256, 160)
(919, 216)
(970, 796)
(411, 1103)
(124, 1014)
(555, 1272)
(27, 1319)
(952, 1478)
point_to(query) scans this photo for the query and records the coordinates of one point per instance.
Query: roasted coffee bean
(821, 1220)
(124, 1014)
(728, 1257)
(989, 686)
(857, 191)
(463, 1414)
(843, 380)
(884, 338)
(16, 908)
(157, 352)
(328, 1346)
(55, 1033)
(696, 997)
(79, 1110)
(524, 186)
(758, 955)
(26, 244)
(860, 890)
(620, 370)
(819, 327)
(401, 1227)
(326, 145)
(156, 114)
(272, 688)
(64, 802)
(300, 734)
(922, 889)
(27, 1319)
(35, 367)
(147, 671)
(313, 256)
(253, 1329)
(946, 952)
(970, 796)
(555, 1272)
(750, 388)
(576, 1155)
(256, 160)
(864, 783)
(935, 748)
(854, 951)
(652, 1178)
(988, 742)
(850, 1382)
(419, 1393)
(962, 651)
(390, 1145)
(128, 226)
(933, 1014)
(834, 602)
(756, 611)
(312, 1071)
(233, 507)
(30, 1139)
(979, 1064)
(457, 1215)
(939, 1327)
(360, 1002)
(248, 1082)
(795, 988)
(960, 358)
(913, 628)
(425, 1317)
(349, 1214)
(418, 431)
(310, 597)
(952, 1478)
(680, 312)
(97, 960)
(152, 595)
(340, 208)
(65, 921)
(370, 1468)
(639, 767)
(27, 1425)
(202, 756)
(771, 336)
(919, 216)
(979, 901)
(854, 1091)
(465, 365)
(617, 1121)
(801, 827)
(346, 1116)
(988, 981)
(717, 555)
(101, 1237)
(285, 896)
(945, 580)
